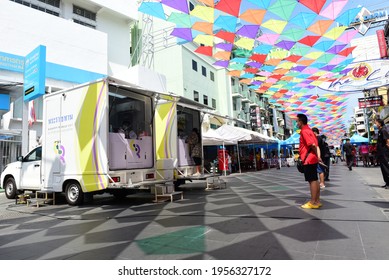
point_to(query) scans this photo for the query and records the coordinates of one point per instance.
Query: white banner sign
(362, 75)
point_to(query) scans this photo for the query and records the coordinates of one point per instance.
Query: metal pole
(366, 117)
(237, 146)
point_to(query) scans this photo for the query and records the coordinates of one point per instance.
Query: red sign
(373, 101)
(382, 43)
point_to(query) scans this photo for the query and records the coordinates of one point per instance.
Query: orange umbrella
(320, 27)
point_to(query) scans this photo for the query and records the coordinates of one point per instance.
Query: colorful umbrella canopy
(282, 49)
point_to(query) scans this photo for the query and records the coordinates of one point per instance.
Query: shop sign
(35, 73)
(372, 101)
(365, 18)
(361, 76)
(382, 43)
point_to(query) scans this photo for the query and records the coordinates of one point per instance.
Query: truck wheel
(10, 188)
(74, 194)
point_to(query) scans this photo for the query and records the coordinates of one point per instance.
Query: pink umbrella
(333, 9)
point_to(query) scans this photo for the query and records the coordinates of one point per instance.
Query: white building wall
(66, 43)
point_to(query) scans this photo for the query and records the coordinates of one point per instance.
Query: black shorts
(197, 160)
(310, 172)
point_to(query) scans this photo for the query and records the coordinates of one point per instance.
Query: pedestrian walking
(338, 155)
(310, 155)
(348, 150)
(383, 150)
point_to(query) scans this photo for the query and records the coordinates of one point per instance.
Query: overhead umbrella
(275, 25)
(180, 19)
(228, 23)
(152, 8)
(205, 27)
(204, 13)
(303, 20)
(250, 31)
(184, 33)
(320, 27)
(205, 50)
(253, 16)
(178, 5)
(333, 9)
(229, 7)
(348, 16)
(315, 6)
(283, 8)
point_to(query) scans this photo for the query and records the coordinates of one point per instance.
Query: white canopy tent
(231, 135)
(212, 137)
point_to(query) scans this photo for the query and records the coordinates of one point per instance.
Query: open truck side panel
(166, 137)
(75, 138)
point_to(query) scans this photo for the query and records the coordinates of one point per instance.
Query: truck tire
(10, 188)
(74, 194)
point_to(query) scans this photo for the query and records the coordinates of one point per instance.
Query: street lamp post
(366, 93)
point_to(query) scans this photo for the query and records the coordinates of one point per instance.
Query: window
(191, 6)
(84, 13)
(194, 65)
(213, 103)
(204, 71)
(42, 5)
(212, 76)
(196, 96)
(84, 17)
(34, 155)
(205, 99)
(234, 105)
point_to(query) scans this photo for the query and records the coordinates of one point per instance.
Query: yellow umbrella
(205, 13)
(245, 43)
(314, 55)
(275, 25)
(279, 54)
(260, 78)
(317, 83)
(286, 65)
(335, 32)
(206, 40)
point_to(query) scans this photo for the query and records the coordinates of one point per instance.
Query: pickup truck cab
(24, 174)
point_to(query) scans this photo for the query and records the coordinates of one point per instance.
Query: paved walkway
(256, 217)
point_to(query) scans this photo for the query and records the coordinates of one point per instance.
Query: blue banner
(35, 73)
(4, 101)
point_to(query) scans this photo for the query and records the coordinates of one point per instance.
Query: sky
(370, 5)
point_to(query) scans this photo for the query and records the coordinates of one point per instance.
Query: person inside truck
(127, 131)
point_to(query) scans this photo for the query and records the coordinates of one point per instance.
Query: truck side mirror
(20, 158)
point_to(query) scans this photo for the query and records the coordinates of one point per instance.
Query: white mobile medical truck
(104, 136)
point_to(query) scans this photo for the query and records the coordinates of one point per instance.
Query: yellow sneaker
(310, 205)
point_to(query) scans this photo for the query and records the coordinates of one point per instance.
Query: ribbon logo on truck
(60, 150)
(135, 147)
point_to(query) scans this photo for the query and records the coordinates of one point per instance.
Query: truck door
(31, 170)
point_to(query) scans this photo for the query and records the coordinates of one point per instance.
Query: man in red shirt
(310, 155)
